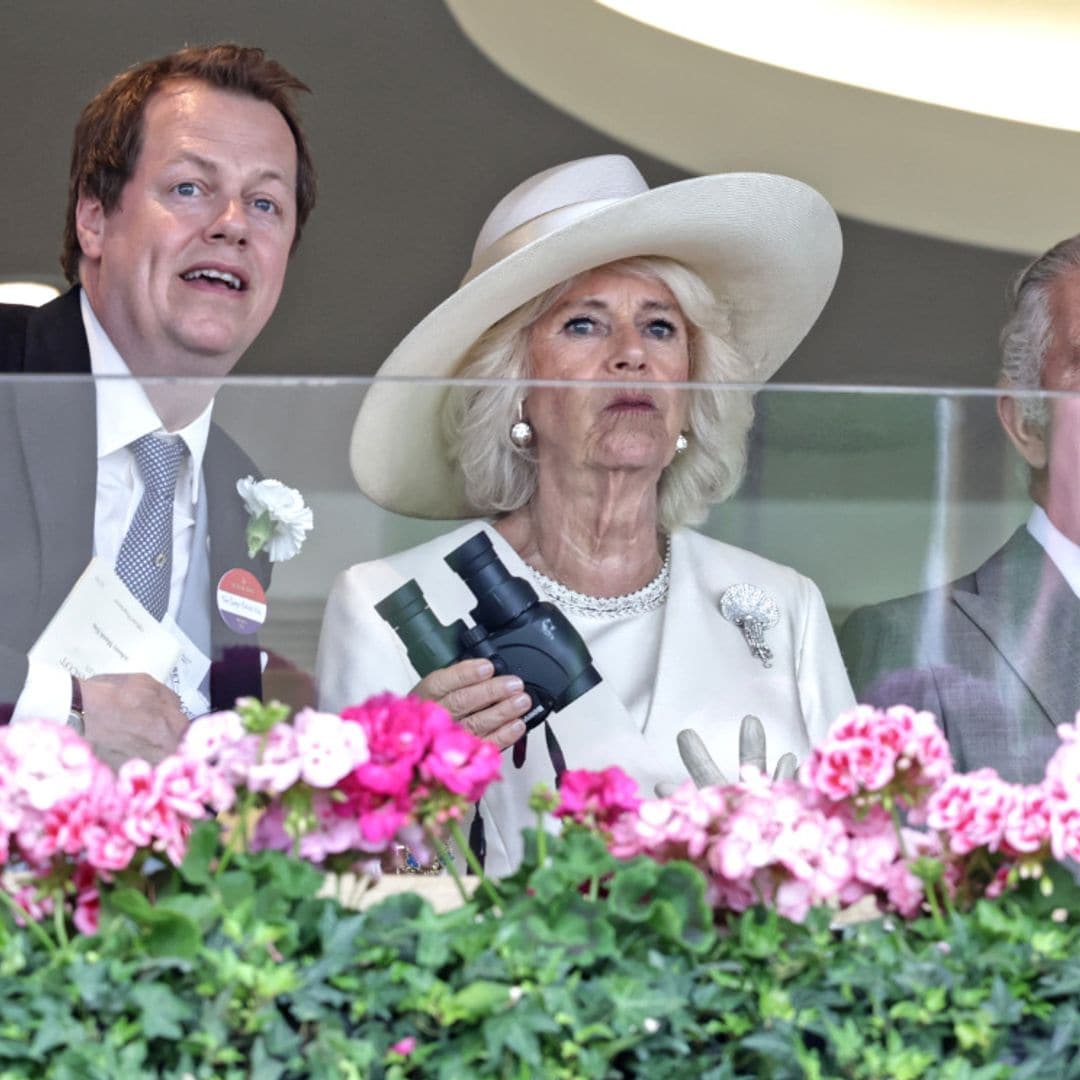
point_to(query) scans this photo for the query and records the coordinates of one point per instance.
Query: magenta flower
(398, 733)
(461, 762)
(597, 798)
(71, 820)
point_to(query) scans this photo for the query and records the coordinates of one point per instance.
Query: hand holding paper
(122, 657)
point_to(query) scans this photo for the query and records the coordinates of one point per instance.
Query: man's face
(1060, 487)
(187, 269)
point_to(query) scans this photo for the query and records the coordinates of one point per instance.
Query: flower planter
(144, 937)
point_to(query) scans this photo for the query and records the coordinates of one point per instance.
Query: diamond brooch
(753, 611)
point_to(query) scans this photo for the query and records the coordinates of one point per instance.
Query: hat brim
(768, 246)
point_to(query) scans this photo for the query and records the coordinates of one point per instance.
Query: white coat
(707, 678)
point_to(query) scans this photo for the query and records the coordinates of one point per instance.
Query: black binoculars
(517, 631)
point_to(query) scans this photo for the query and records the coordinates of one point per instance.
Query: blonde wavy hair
(499, 477)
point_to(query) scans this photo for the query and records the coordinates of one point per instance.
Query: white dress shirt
(1063, 553)
(124, 414)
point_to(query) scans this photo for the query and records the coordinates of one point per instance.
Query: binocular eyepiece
(517, 631)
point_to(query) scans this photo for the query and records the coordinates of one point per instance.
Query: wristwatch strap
(75, 715)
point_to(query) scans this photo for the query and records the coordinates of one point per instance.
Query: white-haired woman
(584, 274)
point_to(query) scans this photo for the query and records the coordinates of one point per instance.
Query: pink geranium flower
(972, 808)
(398, 731)
(597, 798)
(461, 762)
(277, 764)
(328, 747)
(71, 820)
(897, 751)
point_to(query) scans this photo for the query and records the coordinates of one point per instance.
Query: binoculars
(513, 628)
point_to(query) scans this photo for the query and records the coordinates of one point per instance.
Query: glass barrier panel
(849, 499)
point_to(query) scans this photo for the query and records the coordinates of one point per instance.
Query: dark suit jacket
(993, 655)
(48, 477)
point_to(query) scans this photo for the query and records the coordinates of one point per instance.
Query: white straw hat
(768, 247)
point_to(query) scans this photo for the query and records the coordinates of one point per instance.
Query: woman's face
(616, 327)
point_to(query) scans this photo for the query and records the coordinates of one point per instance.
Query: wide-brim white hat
(768, 246)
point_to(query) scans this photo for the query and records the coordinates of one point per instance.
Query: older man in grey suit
(995, 654)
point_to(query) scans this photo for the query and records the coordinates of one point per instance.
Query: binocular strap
(477, 836)
(558, 758)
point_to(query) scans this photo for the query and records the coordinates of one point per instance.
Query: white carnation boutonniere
(279, 521)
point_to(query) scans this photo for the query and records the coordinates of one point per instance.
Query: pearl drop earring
(521, 433)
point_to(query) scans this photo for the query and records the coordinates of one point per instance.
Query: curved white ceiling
(955, 118)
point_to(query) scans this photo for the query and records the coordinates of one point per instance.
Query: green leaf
(477, 1000)
(162, 1012)
(259, 717)
(259, 531)
(165, 933)
(235, 887)
(294, 879)
(203, 845)
(670, 898)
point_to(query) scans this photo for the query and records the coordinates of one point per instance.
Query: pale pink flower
(207, 737)
(870, 750)
(873, 855)
(151, 820)
(972, 809)
(1065, 830)
(904, 890)
(185, 785)
(329, 747)
(37, 905)
(51, 762)
(108, 848)
(335, 836)
(277, 765)
(793, 899)
(840, 769)
(136, 784)
(1027, 821)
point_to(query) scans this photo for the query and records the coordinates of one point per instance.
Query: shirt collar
(1063, 553)
(124, 412)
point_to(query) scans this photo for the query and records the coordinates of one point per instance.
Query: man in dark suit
(995, 654)
(190, 183)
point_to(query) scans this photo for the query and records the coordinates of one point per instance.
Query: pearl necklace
(648, 598)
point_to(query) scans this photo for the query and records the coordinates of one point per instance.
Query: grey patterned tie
(144, 563)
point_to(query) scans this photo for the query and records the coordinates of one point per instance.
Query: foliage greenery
(580, 965)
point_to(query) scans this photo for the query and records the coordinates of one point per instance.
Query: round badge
(241, 601)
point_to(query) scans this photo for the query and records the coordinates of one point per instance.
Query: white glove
(705, 772)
